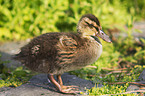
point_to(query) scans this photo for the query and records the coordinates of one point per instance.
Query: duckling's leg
(61, 83)
(59, 79)
(60, 87)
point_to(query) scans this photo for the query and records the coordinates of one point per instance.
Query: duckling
(55, 53)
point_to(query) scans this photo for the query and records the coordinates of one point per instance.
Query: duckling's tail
(17, 57)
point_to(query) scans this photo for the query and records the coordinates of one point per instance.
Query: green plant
(111, 90)
(26, 19)
(13, 77)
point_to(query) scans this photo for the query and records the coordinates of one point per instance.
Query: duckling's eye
(102, 33)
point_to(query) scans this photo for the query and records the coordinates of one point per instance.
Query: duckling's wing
(68, 42)
(67, 49)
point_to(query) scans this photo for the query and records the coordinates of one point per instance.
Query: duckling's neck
(97, 39)
(90, 37)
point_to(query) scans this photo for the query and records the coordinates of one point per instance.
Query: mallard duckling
(55, 53)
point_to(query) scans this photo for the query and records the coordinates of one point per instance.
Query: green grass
(13, 77)
(26, 19)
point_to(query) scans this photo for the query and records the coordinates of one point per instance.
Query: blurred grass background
(22, 19)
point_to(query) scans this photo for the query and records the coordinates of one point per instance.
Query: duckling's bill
(104, 36)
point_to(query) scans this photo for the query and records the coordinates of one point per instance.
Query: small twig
(128, 74)
(89, 66)
(120, 59)
(109, 73)
(91, 75)
(128, 92)
(128, 82)
(115, 72)
(109, 69)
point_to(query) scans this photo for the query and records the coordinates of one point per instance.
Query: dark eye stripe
(91, 25)
(97, 28)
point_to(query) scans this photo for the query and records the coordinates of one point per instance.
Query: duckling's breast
(90, 53)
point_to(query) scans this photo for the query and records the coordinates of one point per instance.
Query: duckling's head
(89, 25)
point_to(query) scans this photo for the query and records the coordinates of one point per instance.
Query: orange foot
(69, 89)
